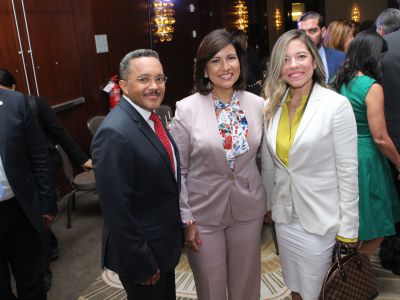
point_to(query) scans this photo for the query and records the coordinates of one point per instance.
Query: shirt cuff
(346, 240)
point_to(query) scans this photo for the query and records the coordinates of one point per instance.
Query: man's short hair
(312, 15)
(124, 65)
(389, 20)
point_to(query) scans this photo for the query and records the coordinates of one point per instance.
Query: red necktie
(162, 136)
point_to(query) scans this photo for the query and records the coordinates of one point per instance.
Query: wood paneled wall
(61, 35)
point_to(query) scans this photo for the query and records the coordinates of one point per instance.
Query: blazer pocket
(153, 232)
(197, 186)
(325, 185)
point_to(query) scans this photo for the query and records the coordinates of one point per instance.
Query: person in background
(359, 80)
(218, 132)
(314, 26)
(53, 133)
(389, 25)
(309, 164)
(339, 35)
(253, 70)
(388, 21)
(139, 183)
(27, 199)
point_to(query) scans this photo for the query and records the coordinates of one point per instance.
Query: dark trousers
(20, 252)
(164, 289)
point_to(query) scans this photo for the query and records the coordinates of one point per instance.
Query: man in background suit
(27, 199)
(313, 24)
(388, 25)
(137, 169)
(53, 133)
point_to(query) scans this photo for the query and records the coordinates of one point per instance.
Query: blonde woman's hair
(275, 87)
(337, 33)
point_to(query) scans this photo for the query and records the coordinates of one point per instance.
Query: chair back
(94, 123)
(66, 165)
(165, 113)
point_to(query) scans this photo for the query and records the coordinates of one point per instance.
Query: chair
(165, 113)
(94, 123)
(84, 181)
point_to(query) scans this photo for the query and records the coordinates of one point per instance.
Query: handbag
(349, 277)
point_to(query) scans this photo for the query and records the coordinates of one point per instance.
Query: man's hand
(47, 220)
(152, 280)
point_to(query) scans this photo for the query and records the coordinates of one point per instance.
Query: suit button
(230, 176)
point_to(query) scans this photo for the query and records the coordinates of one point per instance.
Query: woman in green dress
(359, 80)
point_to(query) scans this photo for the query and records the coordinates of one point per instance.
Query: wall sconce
(240, 9)
(297, 10)
(163, 19)
(278, 19)
(355, 13)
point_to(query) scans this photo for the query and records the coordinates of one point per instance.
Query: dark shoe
(386, 252)
(48, 276)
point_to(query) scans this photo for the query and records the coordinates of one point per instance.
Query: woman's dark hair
(211, 44)
(364, 55)
(6, 78)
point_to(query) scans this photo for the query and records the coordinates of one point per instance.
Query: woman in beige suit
(309, 164)
(218, 131)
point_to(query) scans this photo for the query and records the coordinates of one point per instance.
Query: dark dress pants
(164, 289)
(20, 252)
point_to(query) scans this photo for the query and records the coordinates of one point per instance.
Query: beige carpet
(108, 287)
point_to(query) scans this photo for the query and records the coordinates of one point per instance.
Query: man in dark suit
(27, 199)
(388, 25)
(137, 169)
(53, 133)
(314, 25)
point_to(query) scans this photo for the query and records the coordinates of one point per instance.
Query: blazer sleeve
(56, 132)
(114, 168)
(180, 131)
(345, 151)
(267, 171)
(40, 163)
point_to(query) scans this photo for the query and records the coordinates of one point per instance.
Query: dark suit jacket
(55, 132)
(334, 60)
(25, 159)
(391, 86)
(139, 196)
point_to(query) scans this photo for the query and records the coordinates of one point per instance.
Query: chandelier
(240, 10)
(355, 13)
(278, 18)
(163, 19)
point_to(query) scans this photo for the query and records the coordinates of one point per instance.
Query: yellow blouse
(286, 131)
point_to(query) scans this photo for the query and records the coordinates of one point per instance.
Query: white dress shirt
(7, 191)
(323, 57)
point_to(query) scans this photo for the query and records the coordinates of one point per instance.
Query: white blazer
(321, 180)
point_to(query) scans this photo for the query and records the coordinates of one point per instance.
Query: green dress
(379, 206)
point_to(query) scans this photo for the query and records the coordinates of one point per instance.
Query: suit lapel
(213, 133)
(309, 113)
(148, 133)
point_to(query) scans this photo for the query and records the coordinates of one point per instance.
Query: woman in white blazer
(218, 131)
(309, 164)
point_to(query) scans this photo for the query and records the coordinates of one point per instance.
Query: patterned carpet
(108, 287)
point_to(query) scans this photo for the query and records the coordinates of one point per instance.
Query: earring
(205, 75)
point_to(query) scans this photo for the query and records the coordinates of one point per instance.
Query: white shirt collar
(143, 112)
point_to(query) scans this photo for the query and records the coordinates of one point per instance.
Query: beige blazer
(321, 181)
(207, 181)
